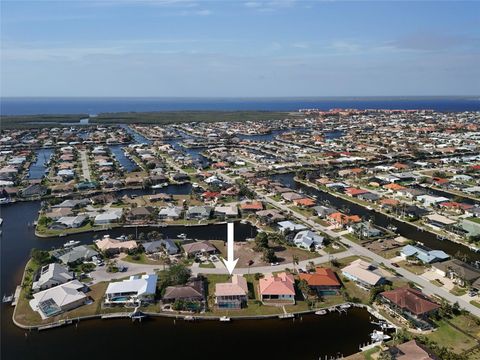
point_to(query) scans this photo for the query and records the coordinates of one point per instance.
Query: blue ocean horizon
(96, 105)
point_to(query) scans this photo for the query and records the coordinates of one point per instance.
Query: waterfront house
(74, 255)
(33, 190)
(290, 196)
(323, 211)
(70, 222)
(410, 304)
(364, 230)
(304, 202)
(430, 200)
(139, 213)
(226, 211)
(389, 204)
(199, 248)
(51, 275)
(115, 246)
(323, 281)
(170, 213)
(193, 291)
(414, 212)
(109, 217)
(198, 212)
(308, 240)
(412, 350)
(460, 272)
(362, 273)
(277, 289)
(160, 197)
(422, 254)
(439, 221)
(251, 206)
(72, 204)
(158, 245)
(269, 216)
(137, 289)
(233, 294)
(58, 299)
(369, 196)
(341, 220)
(56, 214)
(354, 192)
(289, 226)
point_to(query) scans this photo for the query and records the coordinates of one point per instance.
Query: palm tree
(295, 262)
(250, 263)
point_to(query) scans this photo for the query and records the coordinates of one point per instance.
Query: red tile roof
(355, 191)
(321, 277)
(410, 299)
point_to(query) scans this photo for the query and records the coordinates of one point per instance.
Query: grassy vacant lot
(354, 291)
(143, 260)
(416, 269)
(449, 337)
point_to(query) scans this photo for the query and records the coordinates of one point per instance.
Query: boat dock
(115, 315)
(12, 298)
(16, 296)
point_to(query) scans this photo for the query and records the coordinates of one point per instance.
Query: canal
(407, 230)
(37, 169)
(119, 155)
(310, 336)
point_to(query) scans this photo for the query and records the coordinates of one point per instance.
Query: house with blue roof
(423, 254)
(308, 240)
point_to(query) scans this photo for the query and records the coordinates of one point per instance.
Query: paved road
(85, 167)
(269, 269)
(428, 288)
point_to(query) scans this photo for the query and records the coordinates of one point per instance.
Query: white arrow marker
(230, 263)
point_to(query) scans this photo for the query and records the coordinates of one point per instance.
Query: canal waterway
(407, 230)
(37, 169)
(127, 164)
(310, 336)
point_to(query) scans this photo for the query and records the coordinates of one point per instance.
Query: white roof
(55, 272)
(144, 285)
(62, 295)
(359, 270)
(441, 219)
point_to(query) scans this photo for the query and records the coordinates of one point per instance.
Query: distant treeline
(164, 117)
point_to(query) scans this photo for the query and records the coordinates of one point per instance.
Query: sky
(233, 48)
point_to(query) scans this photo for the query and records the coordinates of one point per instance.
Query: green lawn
(458, 291)
(415, 268)
(208, 265)
(143, 260)
(449, 337)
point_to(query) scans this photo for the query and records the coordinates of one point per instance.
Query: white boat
(195, 185)
(379, 336)
(225, 319)
(1, 221)
(189, 318)
(320, 312)
(71, 243)
(345, 306)
(369, 208)
(159, 186)
(182, 236)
